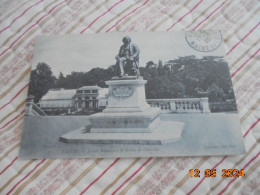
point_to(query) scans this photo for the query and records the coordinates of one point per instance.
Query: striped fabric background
(22, 21)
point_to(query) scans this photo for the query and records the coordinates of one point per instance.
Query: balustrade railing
(183, 105)
(33, 110)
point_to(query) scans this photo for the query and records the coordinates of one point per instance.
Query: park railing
(183, 105)
(33, 110)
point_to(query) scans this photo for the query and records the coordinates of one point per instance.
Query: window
(87, 91)
(94, 91)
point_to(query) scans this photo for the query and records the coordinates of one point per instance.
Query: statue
(127, 118)
(128, 58)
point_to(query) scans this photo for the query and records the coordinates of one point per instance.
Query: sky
(67, 53)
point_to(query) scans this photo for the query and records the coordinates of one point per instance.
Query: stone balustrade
(33, 110)
(183, 105)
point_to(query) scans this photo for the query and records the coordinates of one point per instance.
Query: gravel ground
(204, 134)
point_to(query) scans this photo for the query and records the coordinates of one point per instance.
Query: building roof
(94, 87)
(59, 94)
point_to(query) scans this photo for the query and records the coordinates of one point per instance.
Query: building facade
(90, 97)
(84, 98)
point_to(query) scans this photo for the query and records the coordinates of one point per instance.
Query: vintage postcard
(149, 94)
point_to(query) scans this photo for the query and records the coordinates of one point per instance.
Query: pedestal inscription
(122, 92)
(126, 96)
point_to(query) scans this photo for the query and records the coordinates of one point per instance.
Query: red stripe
(209, 15)
(14, 96)
(8, 165)
(243, 38)
(86, 189)
(20, 16)
(222, 159)
(127, 15)
(250, 129)
(245, 63)
(101, 16)
(35, 24)
(129, 178)
(12, 120)
(227, 186)
(26, 176)
(205, 177)
(185, 15)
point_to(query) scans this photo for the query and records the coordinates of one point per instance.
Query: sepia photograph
(145, 94)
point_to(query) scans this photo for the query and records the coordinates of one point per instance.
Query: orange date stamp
(213, 173)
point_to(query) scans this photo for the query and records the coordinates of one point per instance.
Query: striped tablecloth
(22, 21)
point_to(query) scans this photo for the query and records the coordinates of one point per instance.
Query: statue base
(125, 122)
(165, 132)
(127, 119)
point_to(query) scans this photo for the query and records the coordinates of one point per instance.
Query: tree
(61, 81)
(216, 92)
(41, 81)
(188, 77)
(160, 63)
(151, 64)
(160, 68)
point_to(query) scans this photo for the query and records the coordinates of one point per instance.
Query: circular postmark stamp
(204, 40)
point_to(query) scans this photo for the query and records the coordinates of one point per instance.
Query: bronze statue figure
(128, 56)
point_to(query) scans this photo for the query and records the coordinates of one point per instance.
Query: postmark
(204, 40)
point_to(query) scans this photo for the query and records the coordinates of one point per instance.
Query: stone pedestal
(132, 122)
(127, 110)
(126, 96)
(165, 133)
(205, 105)
(127, 119)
